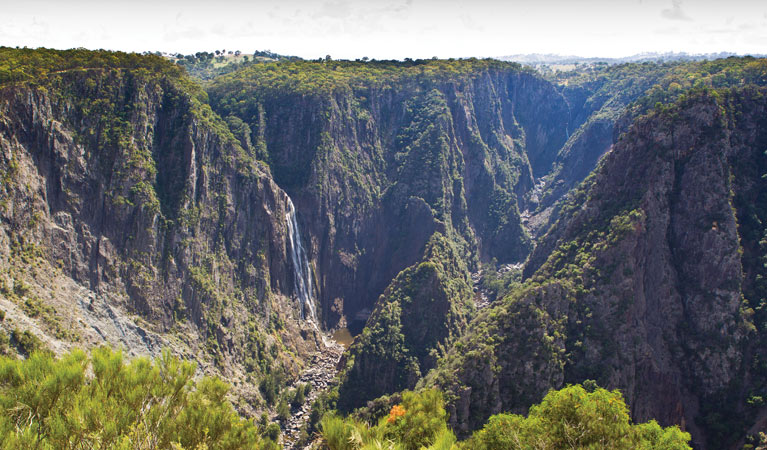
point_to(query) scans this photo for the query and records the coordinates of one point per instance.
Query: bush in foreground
(103, 402)
(568, 418)
(418, 422)
(575, 418)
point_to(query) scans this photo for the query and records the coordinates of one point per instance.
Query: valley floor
(319, 374)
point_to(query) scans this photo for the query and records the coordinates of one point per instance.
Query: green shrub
(102, 402)
(419, 422)
(272, 432)
(575, 418)
(572, 417)
(336, 432)
(26, 342)
(283, 410)
(5, 343)
(423, 421)
(299, 397)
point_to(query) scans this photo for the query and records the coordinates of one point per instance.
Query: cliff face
(638, 285)
(423, 310)
(381, 164)
(124, 191)
(376, 165)
(600, 103)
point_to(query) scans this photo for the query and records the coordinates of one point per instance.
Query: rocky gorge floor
(320, 374)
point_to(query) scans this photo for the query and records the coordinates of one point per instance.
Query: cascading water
(302, 276)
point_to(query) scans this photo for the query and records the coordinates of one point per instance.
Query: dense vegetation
(100, 401)
(322, 78)
(716, 75)
(30, 64)
(209, 65)
(572, 417)
(647, 83)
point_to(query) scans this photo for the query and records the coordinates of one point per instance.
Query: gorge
(612, 216)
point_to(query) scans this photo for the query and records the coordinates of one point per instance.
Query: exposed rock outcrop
(379, 161)
(122, 182)
(638, 285)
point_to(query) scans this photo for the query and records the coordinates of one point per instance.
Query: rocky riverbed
(320, 374)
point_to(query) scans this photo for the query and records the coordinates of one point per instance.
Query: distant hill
(538, 59)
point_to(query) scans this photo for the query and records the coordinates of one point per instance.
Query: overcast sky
(390, 28)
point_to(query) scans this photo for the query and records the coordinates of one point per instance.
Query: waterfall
(302, 275)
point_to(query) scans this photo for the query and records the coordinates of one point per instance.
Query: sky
(391, 29)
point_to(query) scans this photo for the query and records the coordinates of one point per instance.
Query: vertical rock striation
(637, 286)
(379, 158)
(124, 182)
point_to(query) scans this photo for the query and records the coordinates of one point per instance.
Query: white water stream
(302, 275)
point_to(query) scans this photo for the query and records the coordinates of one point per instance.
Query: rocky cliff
(639, 285)
(384, 155)
(131, 215)
(379, 156)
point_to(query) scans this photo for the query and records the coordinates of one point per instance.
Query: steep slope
(597, 98)
(423, 310)
(131, 215)
(639, 284)
(383, 160)
(378, 156)
(604, 101)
